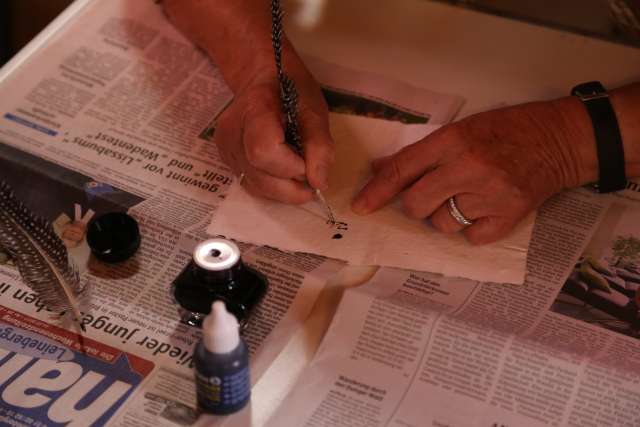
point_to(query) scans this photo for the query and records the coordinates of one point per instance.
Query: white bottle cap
(220, 330)
(216, 254)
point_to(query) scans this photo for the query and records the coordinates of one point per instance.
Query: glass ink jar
(217, 272)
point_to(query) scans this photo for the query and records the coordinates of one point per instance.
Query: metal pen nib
(323, 201)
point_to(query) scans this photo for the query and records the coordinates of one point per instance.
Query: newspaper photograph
(603, 288)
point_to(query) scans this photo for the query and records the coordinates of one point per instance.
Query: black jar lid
(113, 237)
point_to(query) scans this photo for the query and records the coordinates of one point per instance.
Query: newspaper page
(416, 349)
(115, 113)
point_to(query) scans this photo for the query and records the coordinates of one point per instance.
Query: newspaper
(114, 111)
(416, 349)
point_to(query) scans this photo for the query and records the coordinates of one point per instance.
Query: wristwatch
(609, 147)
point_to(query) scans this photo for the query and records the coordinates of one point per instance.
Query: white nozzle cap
(220, 330)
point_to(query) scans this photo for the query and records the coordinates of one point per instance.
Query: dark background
(21, 20)
(615, 20)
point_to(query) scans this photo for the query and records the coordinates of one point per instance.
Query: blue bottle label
(219, 393)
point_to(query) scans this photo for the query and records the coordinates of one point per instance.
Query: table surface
(490, 61)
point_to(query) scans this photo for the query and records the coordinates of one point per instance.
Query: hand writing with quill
(479, 176)
(250, 134)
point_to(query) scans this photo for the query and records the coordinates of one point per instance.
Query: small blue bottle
(222, 364)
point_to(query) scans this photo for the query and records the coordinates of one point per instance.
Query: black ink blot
(337, 236)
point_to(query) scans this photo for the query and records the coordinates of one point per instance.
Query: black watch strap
(607, 133)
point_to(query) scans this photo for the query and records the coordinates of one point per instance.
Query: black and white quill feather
(40, 255)
(289, 96)
(288, 91)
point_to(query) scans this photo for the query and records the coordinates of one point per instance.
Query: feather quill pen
(40, 255)
(288, 91)
(289, 97)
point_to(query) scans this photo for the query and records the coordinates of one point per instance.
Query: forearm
(236, 34)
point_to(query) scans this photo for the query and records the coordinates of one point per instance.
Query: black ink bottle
(221, 362)
(217, 272)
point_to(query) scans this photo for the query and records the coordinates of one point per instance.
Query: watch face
(590, 90)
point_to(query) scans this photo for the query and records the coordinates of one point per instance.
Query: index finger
(397, 173)
(318, 147)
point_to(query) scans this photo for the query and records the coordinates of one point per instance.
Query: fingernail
(359, 206)
(322, 178)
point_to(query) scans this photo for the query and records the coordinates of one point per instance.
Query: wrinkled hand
(499, 166)
(250, 137)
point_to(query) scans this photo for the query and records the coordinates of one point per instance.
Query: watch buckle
(593, 95)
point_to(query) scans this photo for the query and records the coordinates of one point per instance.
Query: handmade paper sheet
(386, 237)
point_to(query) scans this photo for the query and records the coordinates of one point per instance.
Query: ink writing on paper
(339, 226)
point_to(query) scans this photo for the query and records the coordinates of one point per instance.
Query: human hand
(498, 165)
(250, 137)
(249, 134)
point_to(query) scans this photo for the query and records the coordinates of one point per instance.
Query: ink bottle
(221, 363)
(217, 272)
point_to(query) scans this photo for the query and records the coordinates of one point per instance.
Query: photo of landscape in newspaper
(70, 202)
(343, 102)
(604, 286)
